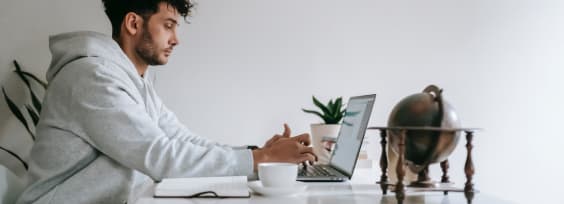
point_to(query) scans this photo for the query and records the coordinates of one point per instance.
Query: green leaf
(313, 112)
(336, 115)
(32, 114)
(332, 113)
(331, 120)
(320, 106)
(326, 120)
(340, 116)
(338, 105)
(31, 76)
(36, 102)
(34, 99)
(330, 107)
(16, 156)
(16, 111)
(20, 73)
(14, 108)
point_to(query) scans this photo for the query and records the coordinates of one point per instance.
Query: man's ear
(132, 23)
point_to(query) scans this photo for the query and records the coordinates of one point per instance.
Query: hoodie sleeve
(170, 124)
(109, 113)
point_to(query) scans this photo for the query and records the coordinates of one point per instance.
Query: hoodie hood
(68, 47)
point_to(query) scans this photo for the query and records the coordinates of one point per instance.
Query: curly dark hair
(117, 9)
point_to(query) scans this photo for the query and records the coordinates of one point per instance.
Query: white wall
(245, 67)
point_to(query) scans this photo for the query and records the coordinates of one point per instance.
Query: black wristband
(252, 147)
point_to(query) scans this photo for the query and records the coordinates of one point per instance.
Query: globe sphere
(426, 109)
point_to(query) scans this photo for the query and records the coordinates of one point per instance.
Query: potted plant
(32, 108)
(324, 134)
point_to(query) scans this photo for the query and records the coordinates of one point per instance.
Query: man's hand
(284, 148)
(303, 138)
(277, 137)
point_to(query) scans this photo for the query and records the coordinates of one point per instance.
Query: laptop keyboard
(315, 171)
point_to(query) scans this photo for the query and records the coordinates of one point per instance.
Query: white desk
(331, 193)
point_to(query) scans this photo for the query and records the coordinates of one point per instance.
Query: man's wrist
(252, 147)
(259, 156)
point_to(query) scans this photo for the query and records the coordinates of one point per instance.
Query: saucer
(257, 187)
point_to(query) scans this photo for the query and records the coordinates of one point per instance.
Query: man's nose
(174, 40)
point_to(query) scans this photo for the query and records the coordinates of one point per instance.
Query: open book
(203, 187)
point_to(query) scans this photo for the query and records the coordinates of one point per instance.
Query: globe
(424, 147)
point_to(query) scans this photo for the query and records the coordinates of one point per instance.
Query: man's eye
(169, 26)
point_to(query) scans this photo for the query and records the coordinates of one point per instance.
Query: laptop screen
(352, 132)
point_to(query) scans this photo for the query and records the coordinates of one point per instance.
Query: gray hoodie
(104, 131)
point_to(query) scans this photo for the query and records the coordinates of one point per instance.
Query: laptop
(345, 152)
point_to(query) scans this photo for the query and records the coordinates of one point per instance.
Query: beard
(146, 49)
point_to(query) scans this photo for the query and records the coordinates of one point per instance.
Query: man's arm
(285, 148)
(274, 150)
(170, 124)
(110, 115)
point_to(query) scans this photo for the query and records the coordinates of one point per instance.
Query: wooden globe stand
(423, 176)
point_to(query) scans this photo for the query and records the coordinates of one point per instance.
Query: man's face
(158, 36)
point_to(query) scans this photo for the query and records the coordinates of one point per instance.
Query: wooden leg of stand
(469, 168)
(444, 167)
(423, 175)
(400, 189)
(445, 177)
(384, 163)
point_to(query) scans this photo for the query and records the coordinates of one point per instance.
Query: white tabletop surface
(337, 193)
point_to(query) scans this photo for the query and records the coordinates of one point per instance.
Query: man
(104, 131)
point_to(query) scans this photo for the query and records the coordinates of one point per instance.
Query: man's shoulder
(86, 67)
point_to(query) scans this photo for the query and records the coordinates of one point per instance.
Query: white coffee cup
(274, 174)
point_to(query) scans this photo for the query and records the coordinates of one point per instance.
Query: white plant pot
(318, 132)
